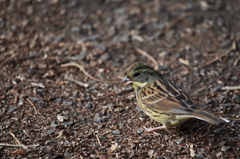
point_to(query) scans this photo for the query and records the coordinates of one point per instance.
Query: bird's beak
(126, 81)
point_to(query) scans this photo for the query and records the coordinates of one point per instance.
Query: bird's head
(139, 75)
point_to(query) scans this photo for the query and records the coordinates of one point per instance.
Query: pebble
(222, 143)
(199, 156)
(61, 117)
(89, 105)
(67, 154)
(105, 57)
(118, 109)
(180, 141)
(47, 148)
(53, 124)
(48, 132)
(235, 123)
(163, 67)
(226, 44)
(35, 98)
(140, 131)
(218, 131)
(228, 105)
(138, 109)
(31, 71)
(97, 118)
(116, 132)
(21, 101)
(216, 89)
(236, 98)
(67, 123)
(225, 148)
(40, 90)
(25, 120)
(67, 103)
(237, 138)
(12, 108)
(58, 100)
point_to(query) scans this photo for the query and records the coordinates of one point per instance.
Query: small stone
(216, 89)
(150, 153)
(118, 109)
(228, 105)
(89, 105)
(82, 55)
(237, 107)
(21, 101)
(163, 67)
(105, 57)
(121, 125)
(61, 117)
(47, 148)
(219, 154)
(235, 123)
(138, 108)
(140, 131)
(180, 141)
(225, 148)
(67, 103)
(218, 131)
(236, 98)
(75, 29)
(48, 132)
(124, 38)
(35, 98)
(67, 154)
(68, 123)
(58, 100)
(222, 143)
(199, 156)
(40, 90)
(12, 108)
(53, 124)
(116, 132)
(237, 138)
(226, 44)
(97, 118)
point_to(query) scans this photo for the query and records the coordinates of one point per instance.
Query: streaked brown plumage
(162, 100)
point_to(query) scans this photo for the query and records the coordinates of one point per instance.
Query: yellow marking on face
(138, 84)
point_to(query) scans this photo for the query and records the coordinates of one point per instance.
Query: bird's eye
(136, 74)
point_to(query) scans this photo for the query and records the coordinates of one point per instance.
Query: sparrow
(162, 100)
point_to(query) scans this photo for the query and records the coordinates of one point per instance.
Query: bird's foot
(154, 129)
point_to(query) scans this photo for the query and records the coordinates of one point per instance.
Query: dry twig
(98, 140)
(77, 82)
(86, 73)
(11, 145)
(230, 88)
(233, 47)
(31, 103)
(178, 19)
(131, 129)
(18, 142)
(236, 62)
(144, 53)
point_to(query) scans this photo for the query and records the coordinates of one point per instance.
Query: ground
(50, 107)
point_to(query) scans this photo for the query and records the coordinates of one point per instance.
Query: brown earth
(62, 112)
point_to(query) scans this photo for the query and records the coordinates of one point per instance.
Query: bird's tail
(202, 115)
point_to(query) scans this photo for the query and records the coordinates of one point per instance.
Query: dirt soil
(50, 107)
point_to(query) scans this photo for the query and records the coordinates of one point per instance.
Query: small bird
(162, 100)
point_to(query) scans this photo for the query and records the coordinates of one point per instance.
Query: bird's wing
(163, 95)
